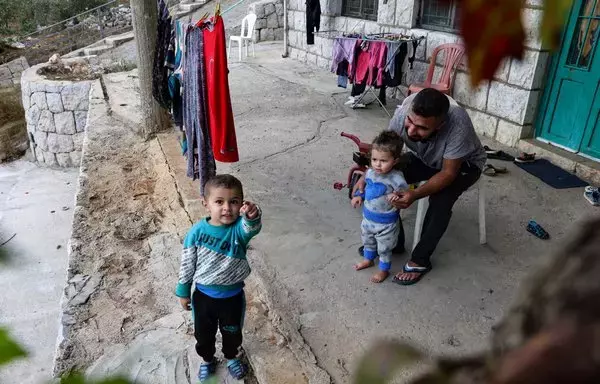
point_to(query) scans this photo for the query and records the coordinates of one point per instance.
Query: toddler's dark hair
(223, 181)
(389, 141)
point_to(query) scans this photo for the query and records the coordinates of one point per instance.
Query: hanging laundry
(313, 19)
(160, 72)
(393, 76)
(174, 63)
(343, 49)
(220, 114)
(377, 62)
(200, 160)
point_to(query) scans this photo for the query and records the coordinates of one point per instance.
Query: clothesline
(233, 6)
(372, 37)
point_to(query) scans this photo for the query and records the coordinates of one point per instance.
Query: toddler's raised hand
(250, 210)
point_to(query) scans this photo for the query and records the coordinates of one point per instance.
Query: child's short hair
(390, 142)
(223, 181)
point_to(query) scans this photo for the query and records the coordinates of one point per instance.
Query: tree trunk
(144, 17)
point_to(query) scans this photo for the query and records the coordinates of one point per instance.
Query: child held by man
(214, 265)
(379, 227)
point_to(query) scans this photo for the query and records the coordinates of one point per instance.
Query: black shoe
(396, 251)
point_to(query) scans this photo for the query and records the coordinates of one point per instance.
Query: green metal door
(572, 98)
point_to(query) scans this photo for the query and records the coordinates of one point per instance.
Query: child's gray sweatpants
(379, 239)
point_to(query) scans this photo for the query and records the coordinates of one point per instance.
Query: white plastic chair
(244, 38)
(424, 203)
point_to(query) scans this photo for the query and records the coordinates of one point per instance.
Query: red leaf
(492, 30)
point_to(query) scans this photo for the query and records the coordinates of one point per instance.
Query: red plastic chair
(452, 58)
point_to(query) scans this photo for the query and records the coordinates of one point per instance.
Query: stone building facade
(503, 109)
(269, 20)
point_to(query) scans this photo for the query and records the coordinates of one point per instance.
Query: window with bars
(362, 9)
(442, 15)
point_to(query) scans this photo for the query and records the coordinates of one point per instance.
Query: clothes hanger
(204, 17)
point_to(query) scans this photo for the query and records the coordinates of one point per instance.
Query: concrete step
(96, 50)
(586, 169)
(115, 41)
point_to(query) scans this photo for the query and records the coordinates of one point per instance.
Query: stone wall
(10, 73)
(56, 113)
(504, 108)
(269, 20)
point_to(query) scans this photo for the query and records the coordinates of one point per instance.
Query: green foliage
(383, 360)
(9, 349)
(24, 16)
(77, 378)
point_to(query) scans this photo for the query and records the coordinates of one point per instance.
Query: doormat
(552, 175)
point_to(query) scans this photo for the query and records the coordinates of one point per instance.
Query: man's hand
(359, 186)
(186, 303)
(250, 210)
(356, 202)
(405, 199)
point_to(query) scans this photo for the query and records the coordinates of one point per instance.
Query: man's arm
(439, 181)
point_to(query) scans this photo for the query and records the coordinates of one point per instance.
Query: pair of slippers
(501, 155)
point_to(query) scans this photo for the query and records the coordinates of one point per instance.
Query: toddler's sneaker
(592, 194)
(237, 369)
(207, 371)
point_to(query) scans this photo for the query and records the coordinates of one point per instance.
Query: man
(444, 150)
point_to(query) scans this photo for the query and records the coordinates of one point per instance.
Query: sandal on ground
(422, 271)
(491, 170)
(237, 369)
(497, 155)
(592, 195)
(537, 230)
(525, 158)
(207, 371)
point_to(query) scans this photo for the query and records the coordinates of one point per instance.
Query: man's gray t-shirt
(456, 139)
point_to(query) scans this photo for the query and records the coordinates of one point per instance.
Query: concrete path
(36, 205)
(288, 123)
(288, 120)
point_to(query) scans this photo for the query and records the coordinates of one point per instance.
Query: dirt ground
(130, 198)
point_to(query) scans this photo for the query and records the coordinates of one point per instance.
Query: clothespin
(218, 10)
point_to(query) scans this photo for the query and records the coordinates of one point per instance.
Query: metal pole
(285, 29)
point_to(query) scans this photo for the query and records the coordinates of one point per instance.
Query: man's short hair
(430, 103)
(223, 181)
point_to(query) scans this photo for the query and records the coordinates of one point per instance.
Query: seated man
(445, 151)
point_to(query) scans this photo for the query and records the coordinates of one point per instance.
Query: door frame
(551, 76)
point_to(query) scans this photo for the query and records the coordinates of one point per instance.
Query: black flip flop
(500, 155)
(422, 271)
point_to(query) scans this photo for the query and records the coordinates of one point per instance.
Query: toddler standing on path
(214, 259)
(379, 228)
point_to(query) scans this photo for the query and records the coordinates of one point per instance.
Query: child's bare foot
(364, 264)
(380, 276)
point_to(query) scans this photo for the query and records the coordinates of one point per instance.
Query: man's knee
(442, 201)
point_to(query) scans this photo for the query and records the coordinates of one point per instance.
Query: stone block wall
(56, 113)
(503, 109)
(10, 73)
(269, 20)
